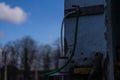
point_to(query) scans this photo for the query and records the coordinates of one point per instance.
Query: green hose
(74, 47)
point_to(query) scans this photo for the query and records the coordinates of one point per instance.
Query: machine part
(74, 46)
(65, 46)
(61, 35)
(105, 67)
(87, 11)
(96, 73)
(62, 61)
(82, 70)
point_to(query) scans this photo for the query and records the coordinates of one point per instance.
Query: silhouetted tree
(0, 55)
(0, 61)
(56, 53)
(25, 55)
(12, 51)
(28, 50)
(5, 52)
(46, 57)
(39, 58)
(9, 57)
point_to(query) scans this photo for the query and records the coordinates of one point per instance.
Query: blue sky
(40, 19)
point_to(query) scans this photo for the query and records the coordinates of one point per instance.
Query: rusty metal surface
(83, 3)
(87, 11)
(91, 30)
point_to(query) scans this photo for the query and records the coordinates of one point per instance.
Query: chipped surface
(91, 30)
(82, 3)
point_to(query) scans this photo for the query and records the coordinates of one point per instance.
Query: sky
(40, 19)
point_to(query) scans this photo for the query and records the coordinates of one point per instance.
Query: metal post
(36, 71)
(5, 74)
(36, 74)
(111, 62)
(5, 71)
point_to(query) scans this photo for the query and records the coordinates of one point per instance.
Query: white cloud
(15, 15)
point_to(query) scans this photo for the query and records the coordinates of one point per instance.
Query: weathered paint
(91, 30)
(91, 34)
(82, 3)
(87, 11)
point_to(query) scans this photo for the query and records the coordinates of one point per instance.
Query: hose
(61, 35)
(74, 46)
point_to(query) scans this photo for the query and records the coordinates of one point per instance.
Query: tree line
(26, 54)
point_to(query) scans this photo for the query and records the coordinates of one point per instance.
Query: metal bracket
(87, 11)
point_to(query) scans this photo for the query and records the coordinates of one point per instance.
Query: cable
(74, 47)
(61, 35)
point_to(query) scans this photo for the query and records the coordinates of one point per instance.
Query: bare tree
(0, 55)
(46, 57)
(5, 52)
(13, 54)
(56, 53)
(27, 54)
